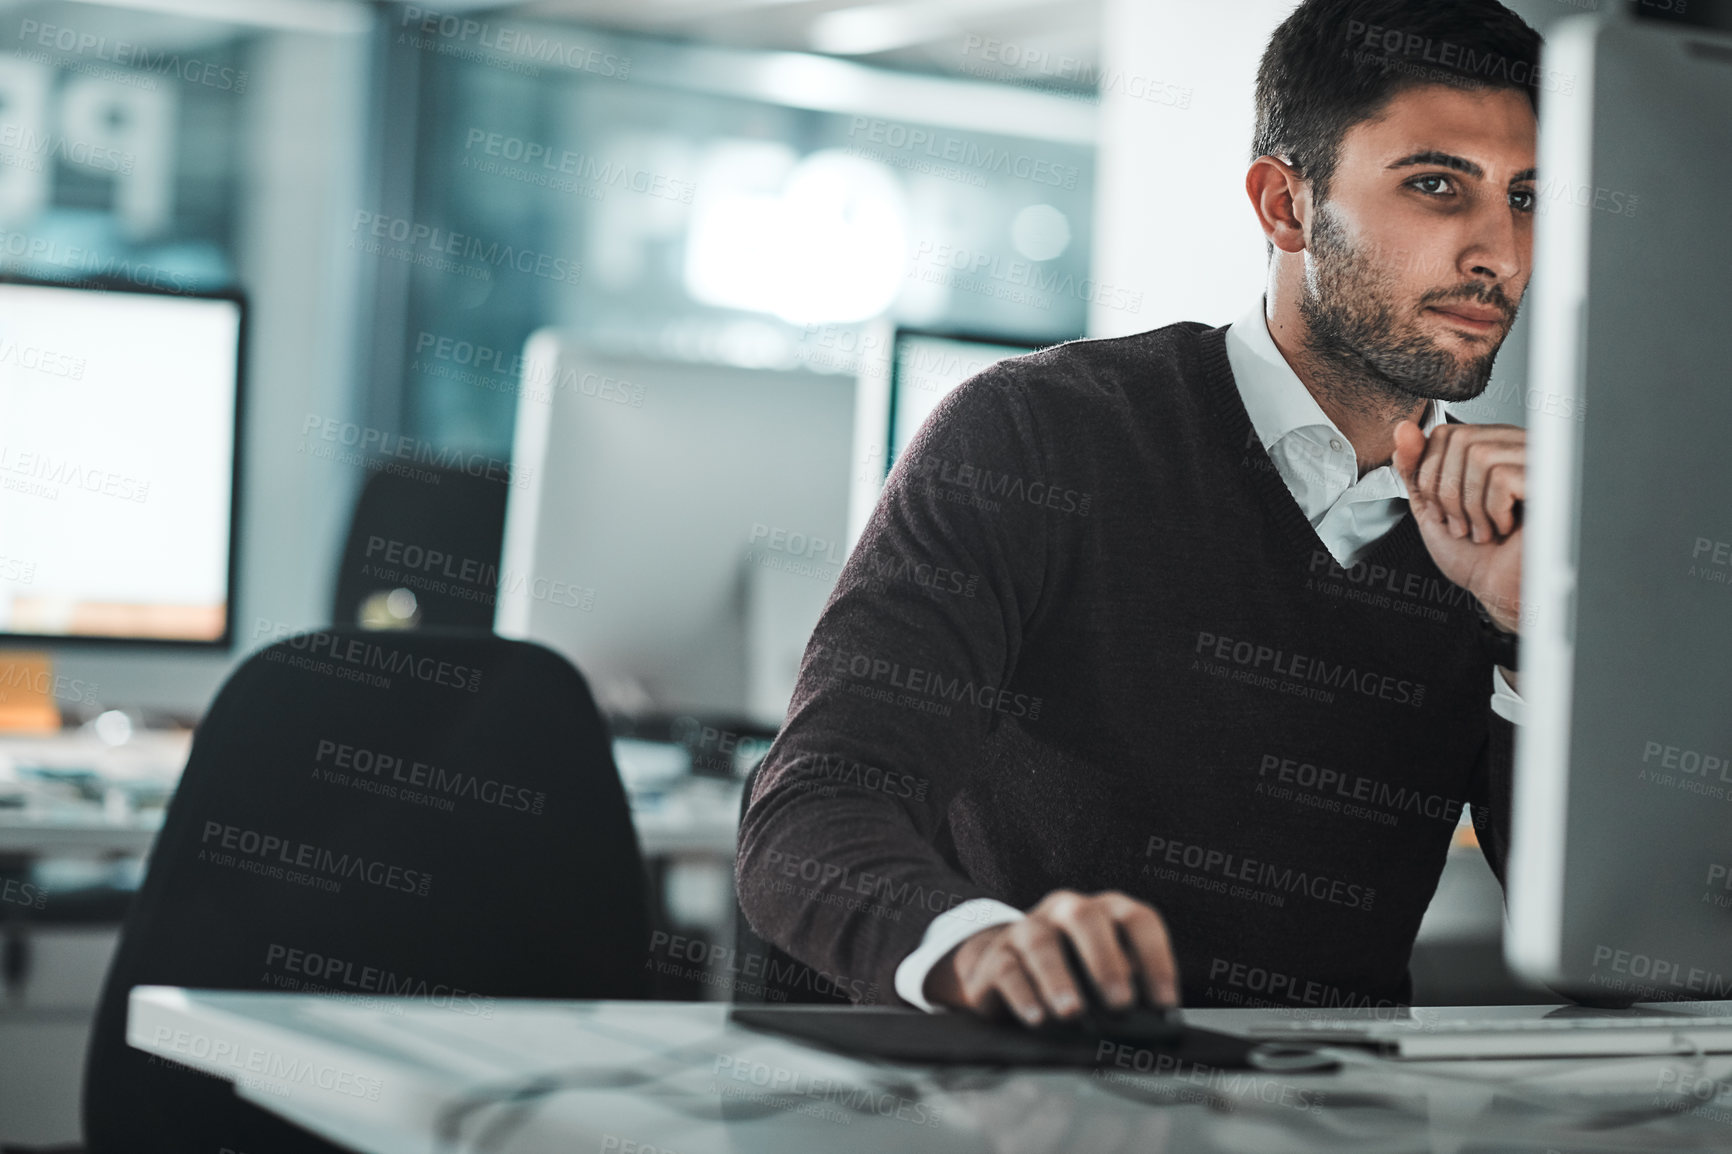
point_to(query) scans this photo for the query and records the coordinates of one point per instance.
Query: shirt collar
(1275, 398)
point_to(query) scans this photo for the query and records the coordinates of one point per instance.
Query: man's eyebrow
(1458, 163)
(1440, 160)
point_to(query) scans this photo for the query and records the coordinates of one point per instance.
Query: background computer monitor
(118, 464)
(899, 390)
(1620, 879)
(674, 528)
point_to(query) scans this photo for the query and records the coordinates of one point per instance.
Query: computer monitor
(1620, 877)
(922, 367)
(674, 528)
(119, 413)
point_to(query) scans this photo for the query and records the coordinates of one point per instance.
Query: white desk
(700, 818)
(684, 817)
(662, 1077)
(52, 822)
(80, 834)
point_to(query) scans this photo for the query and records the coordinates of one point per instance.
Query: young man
(1141, 646)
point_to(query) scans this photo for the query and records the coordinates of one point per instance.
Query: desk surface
(383, 1076)
(675, 815)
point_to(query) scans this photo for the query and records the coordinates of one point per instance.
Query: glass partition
(712, 205)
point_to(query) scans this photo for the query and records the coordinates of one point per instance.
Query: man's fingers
(1409, 448)
(1431, 463)
(1482, 458)
(1485, 459)
(996, 982)
(1470, 451)
(1153, 946)
(1011, 986)
(1411, 444)
(1506, 485)
(1036, 946)
(1023, 967)
(1474, 459)
(1451, 476)
(1095, 934)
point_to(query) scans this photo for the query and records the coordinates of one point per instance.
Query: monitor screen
(926, 367)
(117, 463)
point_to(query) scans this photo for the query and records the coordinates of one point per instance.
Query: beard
(1372, 359)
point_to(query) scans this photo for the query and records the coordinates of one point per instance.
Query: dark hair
(1336, 63)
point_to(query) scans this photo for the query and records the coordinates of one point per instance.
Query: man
(1197, 693)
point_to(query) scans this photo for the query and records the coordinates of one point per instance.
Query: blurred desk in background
(74, 795)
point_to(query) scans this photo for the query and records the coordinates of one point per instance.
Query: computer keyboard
(1568, 1034)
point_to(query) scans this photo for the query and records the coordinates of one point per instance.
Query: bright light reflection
(829, 248)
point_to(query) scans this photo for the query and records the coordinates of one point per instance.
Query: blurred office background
(760, 220)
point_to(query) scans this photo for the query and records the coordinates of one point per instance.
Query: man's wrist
(944, 935)
(1500, 639)
(1501, 612)
(943, 983)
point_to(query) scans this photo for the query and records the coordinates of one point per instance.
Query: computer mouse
(1141, 1022)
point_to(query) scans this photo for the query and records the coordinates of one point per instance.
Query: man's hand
(1022, 965)
(1465, 486)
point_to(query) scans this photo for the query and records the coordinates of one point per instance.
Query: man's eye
(1418, 181)
(1525, 199)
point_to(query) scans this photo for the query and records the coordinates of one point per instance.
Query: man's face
(1419, 257)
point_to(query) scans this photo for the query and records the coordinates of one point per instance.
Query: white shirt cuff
(947, 931)
(1505, 702)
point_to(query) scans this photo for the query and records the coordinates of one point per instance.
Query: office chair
(438, 539)
(439, 807)
(786, 980)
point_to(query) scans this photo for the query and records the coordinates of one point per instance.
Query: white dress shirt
(1349, 512)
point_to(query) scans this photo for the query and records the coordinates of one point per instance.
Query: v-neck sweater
(1088, 640)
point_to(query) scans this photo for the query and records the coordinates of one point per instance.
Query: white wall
(1172, 220)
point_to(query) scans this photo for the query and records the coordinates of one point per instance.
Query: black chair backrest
(436, 532)
(785, 978)
(436, 814)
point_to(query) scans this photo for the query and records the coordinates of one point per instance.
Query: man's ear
(1282, 201)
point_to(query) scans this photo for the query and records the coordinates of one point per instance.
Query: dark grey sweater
(1090, 641)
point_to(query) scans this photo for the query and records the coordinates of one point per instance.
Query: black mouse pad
(897, 1035)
